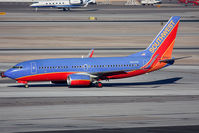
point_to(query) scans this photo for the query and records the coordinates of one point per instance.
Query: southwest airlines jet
(90, 71)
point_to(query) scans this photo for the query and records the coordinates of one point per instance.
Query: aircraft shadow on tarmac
(157, 82)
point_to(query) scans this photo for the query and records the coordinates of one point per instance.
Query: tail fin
(163, 44)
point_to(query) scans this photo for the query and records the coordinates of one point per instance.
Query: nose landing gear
(23, 82)
(26, 86)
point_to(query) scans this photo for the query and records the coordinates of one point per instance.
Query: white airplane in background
(64, 4)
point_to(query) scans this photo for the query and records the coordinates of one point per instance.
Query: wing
(99, 75)
(110, 73)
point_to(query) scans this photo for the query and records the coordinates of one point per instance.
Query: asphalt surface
(164, 98)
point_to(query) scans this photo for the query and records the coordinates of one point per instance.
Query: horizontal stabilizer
(173, 59)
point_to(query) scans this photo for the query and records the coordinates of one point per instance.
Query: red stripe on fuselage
(59, 76)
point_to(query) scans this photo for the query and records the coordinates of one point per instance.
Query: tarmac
(161, 101)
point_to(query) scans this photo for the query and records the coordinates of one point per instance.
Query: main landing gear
(98, 85)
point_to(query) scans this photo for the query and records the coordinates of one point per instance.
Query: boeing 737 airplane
(90, 71)
(62, 4)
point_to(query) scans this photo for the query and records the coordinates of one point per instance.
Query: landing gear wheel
(26, 86)
(99, 85)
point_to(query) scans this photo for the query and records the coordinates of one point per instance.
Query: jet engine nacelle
(78, 80)
(76, 2)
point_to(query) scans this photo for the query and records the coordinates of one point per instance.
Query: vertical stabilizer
(164, 41)
(162, 46)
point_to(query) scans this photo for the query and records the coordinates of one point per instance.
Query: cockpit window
(18, 67)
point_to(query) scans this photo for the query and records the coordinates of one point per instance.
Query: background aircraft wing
(65, 6)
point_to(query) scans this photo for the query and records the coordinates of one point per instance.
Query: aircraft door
(144, 64)
(33, 67)
(86, 67)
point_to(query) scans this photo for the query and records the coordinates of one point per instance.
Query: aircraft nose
(34, 5)
(3, 75)
(9, 74)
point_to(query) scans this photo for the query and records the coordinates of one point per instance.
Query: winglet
(90, 54)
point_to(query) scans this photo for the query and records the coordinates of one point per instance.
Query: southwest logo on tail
(90, 71)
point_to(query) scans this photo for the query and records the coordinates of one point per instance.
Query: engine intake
(78, 80)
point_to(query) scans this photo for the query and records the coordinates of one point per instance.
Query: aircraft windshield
(18, 67)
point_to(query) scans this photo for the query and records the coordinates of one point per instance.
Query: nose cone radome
(10, 74)
(34, 5)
